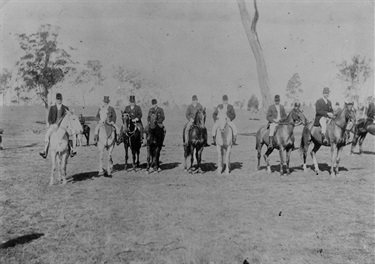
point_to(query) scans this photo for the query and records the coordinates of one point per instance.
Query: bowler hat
(58, 96)
(297, 104)
(277, 97)
(154, 102)
(326, 90)
(132, 99)
(350, 103)
(106, 99)
(194, 98)
(225, 97)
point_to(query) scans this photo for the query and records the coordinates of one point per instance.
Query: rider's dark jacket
(53, 113)
(322, 109)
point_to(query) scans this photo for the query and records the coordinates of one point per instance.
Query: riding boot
(183, 137)
(72, 150)
(96, 139)
(270, 145)
(205, 138)
(164, 132)
(234, 140)
(214, 140)
(44, 153)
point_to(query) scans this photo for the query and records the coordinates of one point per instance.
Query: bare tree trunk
(252, 36)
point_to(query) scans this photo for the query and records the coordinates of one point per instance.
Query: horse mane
(197, 121)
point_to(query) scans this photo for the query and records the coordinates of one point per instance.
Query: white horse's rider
(56, 112)
(106, 113)
(231, 114)
(275, 113)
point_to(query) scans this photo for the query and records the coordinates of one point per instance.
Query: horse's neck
(340, 120)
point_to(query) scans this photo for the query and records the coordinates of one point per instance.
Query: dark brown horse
(155, 136)
(195, 142)
(336, 138)
(131, 136)
(360, 131)
(283, 139)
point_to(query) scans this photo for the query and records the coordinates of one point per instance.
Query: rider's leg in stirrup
(185, 138)
(271, 133)
(323, 124)
(214, 129)
(44, 153)
(235, 131)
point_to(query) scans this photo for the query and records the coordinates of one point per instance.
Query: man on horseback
(231, 114)
(55, 114)
(324, 111)
(275, 113)
(135, 114)
(159, 112)
(106, 113)
(191, 112)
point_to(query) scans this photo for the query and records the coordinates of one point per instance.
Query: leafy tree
(44, 64)
(293, 88)
(253, 103)
(355, 74)
(5, 78)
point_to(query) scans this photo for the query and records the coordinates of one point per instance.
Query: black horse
(360, 131)
(196, 141)
(155, 136)
(131, 136)
(86, 133)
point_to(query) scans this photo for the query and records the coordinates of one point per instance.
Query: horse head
(153, 120)
(299, 117)
(71, 122)
(222, 119)
(200, 118)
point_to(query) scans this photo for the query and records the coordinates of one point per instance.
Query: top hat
(225, 97)
(326, 90)
(154, 102)
(277, 97)
(58, 96)
(106, 99)
(194, 98)
(132, 99)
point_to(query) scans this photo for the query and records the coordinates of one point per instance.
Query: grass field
(174, 217)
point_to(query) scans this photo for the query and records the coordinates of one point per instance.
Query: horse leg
(259, 149)
(219, 159)
(361, 139)
(186, 155)
(64, 159)
(101, 153)
(88, 137)
(267, 160)
(333, 159)
(288, 152)
(53, 156)
(354, 142)
(199, 159)
(313, 155)
(110, 160)
(281, 152)
(338, 159)
(158, 159)
(191, 158)
(126, 155)
(58, 165)
(227, 160)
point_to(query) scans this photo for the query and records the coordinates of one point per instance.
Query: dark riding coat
(53, 112)
(191, 111)
(272, 113)
(322, 109)
(231, 114)
(159, 115)
(111, 115)
(371, 111)
(136, 112)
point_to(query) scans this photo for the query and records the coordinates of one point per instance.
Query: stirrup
(43, 154)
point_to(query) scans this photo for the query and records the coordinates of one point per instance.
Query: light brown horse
(283, 139)
(59, 144)
(224, 137)
(336, 137)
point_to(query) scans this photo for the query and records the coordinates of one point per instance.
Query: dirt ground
(174, 217)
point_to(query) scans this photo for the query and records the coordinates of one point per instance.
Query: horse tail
(258, 138)
(305, 139)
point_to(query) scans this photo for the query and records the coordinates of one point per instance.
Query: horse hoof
(269, 171)
(159, 170)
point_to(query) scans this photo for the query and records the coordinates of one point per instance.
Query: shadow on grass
(21, 240)
(169, 166)
(83, 176)
(253, 134)
(211, 166)
(368, 152)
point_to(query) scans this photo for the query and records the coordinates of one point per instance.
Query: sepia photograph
(187, 131)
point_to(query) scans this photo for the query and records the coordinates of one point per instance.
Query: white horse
(106, 141)
(59, 144)
(224, 135)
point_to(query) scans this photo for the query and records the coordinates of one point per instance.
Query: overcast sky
(200, 46)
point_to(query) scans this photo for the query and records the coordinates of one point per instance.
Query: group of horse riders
(275, 113)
